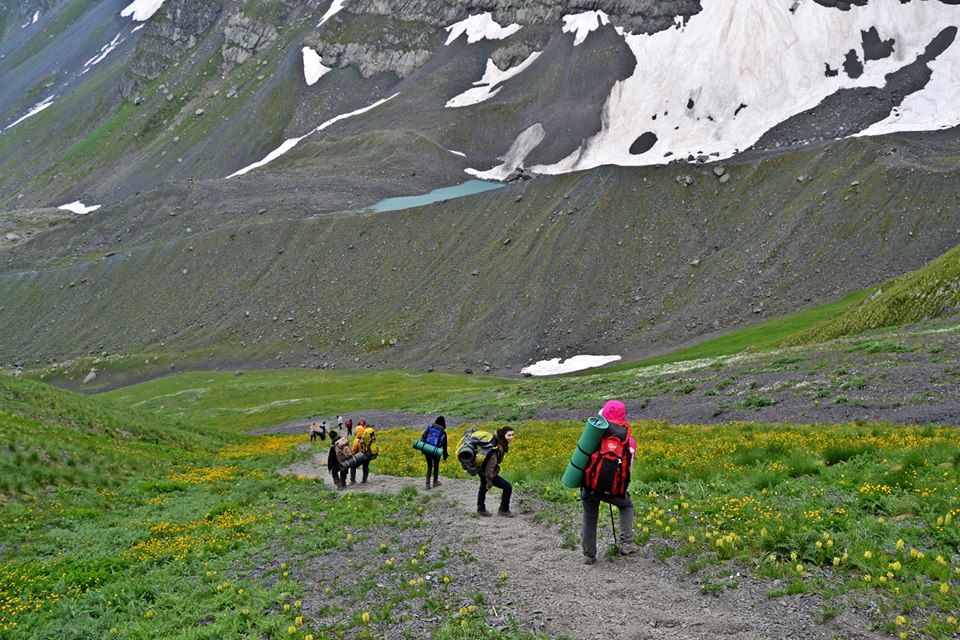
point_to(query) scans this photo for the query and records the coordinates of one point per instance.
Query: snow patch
(292, 142)
(457, 153)
(34, 110)
(36, 16)
(714, 84)
(582, 24)
(137, 28)
(104, 52)
(521, 147)
(933, 107)
(313, 68)
(334, 9)
(78, 208)
(479, 27)
(487, 86)
(576, 363)
(142, 10)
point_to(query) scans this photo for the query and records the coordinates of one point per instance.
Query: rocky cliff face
(173, 30)
(243, 36)
(400, 35)
(14, 14)
(22, 11)
(638, 16)
(376, 43)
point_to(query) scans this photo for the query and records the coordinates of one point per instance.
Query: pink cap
(615, 411)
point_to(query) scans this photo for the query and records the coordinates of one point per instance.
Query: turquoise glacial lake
(445, 193)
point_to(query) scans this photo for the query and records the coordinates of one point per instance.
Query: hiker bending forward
(339, 451)
(615, 414)
(490, 474)
(435, 434)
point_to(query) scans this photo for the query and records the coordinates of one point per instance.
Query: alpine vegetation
(459, 320)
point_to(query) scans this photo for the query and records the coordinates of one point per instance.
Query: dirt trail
(636, 598)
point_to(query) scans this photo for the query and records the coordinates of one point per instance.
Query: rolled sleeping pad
(589, 441)
(466, 455)
(428, 449)
(353, 461)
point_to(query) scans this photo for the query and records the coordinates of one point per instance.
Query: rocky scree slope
(615, 260)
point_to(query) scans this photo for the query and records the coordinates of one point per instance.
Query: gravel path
(636, 598)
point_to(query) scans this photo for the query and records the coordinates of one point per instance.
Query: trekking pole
(613, 526)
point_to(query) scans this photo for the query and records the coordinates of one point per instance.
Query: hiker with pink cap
(606, 479)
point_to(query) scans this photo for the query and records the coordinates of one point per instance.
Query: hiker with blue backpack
(436, 436)
(606, 479)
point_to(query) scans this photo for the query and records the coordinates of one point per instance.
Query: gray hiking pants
(591, 511)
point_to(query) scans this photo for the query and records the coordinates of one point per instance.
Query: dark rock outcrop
(173, 30)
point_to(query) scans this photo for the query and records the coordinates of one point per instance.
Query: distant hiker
(606, 479)
(368, 447)
(356, 448)
(338, 453)
(317, 431)
(348, 425)
(436, 435)
(340, 424)
(490, 474)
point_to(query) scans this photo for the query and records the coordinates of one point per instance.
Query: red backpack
(608, 472)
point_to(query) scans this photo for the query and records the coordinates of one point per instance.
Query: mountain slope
(222, 156)
(608, 261)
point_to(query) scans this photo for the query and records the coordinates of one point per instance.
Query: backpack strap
(586, 455)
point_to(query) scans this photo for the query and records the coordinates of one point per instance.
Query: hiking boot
(428, 485)
(436, 483)
(483, 512)
(628, 548)
(363, 482)
(589, 560)
(506, 514)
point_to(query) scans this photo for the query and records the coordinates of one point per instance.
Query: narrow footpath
(634, 598)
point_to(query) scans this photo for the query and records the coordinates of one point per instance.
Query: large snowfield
(712, 86)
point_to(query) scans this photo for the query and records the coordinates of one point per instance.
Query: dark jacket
(333, 465)
(491, 466)
(442, 442)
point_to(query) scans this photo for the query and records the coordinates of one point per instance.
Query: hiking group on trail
(348, 452)
(599, 468)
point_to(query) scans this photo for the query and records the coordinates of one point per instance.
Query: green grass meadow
(120, 524)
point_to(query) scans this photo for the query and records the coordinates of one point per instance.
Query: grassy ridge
(928, 292)
(52, 439)
(753, 338)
